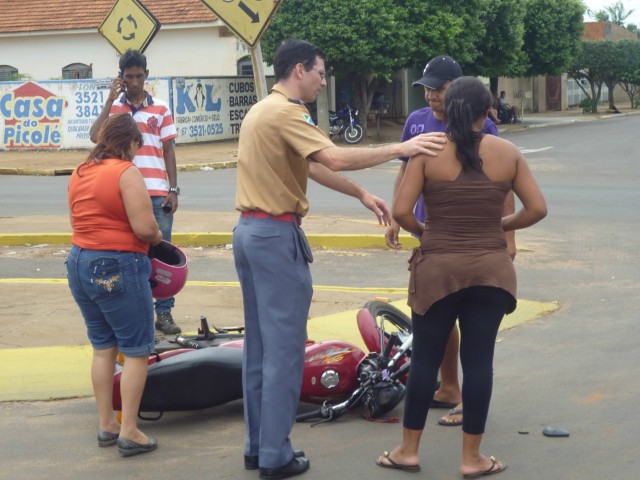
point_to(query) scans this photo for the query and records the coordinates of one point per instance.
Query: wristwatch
(175, 190)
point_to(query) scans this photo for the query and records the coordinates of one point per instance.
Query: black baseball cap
(438, 71)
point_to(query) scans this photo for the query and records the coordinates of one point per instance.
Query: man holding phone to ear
(156, 159)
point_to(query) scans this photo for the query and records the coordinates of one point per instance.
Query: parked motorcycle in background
(345, 123)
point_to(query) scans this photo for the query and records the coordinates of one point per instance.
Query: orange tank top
(98, 216)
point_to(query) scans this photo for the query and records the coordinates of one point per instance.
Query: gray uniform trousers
(276, 288)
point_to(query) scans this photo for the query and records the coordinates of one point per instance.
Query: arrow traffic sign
(129, 25)
(248, 19)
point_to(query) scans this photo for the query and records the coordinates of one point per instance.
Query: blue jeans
(114, 295)
(165, 223)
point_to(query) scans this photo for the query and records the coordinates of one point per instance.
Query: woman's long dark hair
(114, 139)
(466, 100)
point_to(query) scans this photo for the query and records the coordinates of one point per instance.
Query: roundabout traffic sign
(129, 25)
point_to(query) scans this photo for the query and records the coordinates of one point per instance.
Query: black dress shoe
(251, 462)
(128, 447)
(296, 466)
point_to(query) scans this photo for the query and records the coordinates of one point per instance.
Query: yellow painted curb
(359, 241)
(7, 239)
(46, 373)
(202, 239)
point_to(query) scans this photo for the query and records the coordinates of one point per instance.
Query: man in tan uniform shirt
(280, 147)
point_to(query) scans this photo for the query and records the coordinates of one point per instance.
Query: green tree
(444, 27)
(614, 13)
(618, 58)
(365, 41)
(368, 40)
(632, 27)
(600, 16)
(590, 64)
(553, 31)
(630, 76)
(500, 49)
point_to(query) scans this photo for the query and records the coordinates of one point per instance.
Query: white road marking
(534, 150)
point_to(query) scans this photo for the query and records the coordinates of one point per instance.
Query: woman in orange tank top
(108, 274)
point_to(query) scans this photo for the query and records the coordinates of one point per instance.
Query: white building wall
(193, 50)
(43, 56)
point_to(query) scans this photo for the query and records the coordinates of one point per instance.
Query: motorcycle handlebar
(188, 343)
(312, 414)
(328, 412)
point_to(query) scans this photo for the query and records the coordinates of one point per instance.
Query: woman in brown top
(462, 268)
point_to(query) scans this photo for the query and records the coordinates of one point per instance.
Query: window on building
(245, 67)
(77, 70)
(7, 72)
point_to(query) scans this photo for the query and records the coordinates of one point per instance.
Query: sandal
(492, 470)
(397, 466)
(451, 423)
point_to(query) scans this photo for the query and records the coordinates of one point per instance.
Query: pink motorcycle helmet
(169, 270)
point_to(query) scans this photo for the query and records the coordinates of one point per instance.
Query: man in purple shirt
(437, 76)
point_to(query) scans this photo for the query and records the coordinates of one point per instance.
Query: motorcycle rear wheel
(353, 134)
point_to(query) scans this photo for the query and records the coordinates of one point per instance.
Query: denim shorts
(114, 295)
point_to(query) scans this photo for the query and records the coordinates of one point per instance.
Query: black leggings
(479, 311)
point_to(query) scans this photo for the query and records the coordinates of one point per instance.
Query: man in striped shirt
(156, 159)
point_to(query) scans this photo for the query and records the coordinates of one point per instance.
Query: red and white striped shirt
(155, 122)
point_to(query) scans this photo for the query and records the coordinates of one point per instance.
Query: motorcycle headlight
(330, 379)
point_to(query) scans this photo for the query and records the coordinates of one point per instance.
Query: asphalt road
(584, 145)
(576, 368)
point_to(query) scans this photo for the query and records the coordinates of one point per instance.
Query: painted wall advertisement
(210, 109)
(58, 114)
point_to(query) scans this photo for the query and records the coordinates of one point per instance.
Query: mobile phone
(123, 86)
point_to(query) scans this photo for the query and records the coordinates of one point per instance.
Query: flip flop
(438, 404)
(490, 471)
(453, 423)
(397, 466)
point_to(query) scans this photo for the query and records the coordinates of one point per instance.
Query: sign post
(258, 71)
(248, 19)
(129, 25)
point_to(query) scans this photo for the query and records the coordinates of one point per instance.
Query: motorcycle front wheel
(353, 134)
(369, 320)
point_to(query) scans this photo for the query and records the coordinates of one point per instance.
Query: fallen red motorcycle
(337, 374)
